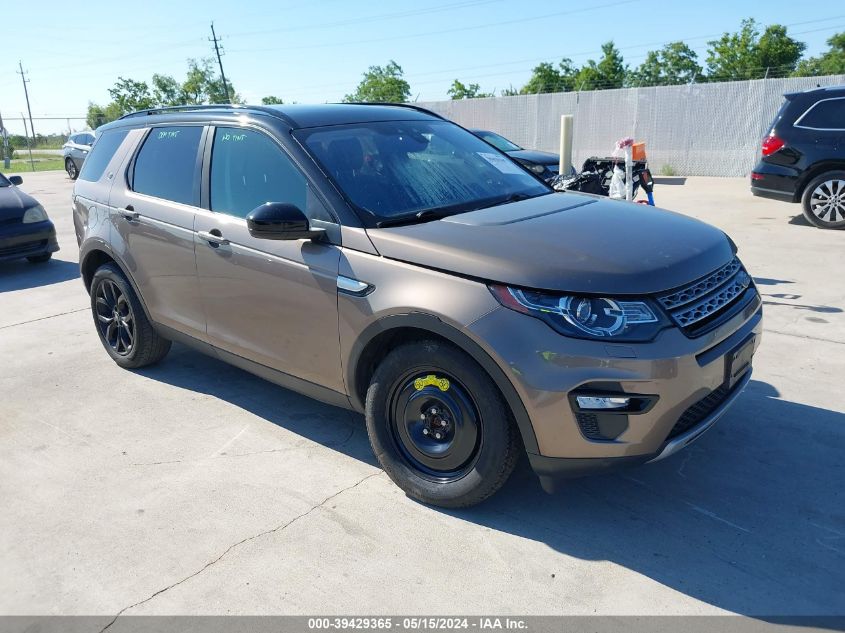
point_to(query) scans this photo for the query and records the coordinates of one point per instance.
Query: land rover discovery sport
(383, 259)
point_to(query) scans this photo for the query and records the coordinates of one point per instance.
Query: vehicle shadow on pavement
(327, 425)
(20, 274)
(749, 519)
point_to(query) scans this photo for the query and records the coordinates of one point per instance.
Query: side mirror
(280, 221)
(16, 180)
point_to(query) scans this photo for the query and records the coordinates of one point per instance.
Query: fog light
(596, 402)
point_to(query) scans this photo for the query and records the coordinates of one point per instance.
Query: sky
(314, 52)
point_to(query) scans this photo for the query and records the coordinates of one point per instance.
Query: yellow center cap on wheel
(431, 379)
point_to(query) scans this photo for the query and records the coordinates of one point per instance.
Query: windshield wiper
(514, 197)
(412, 218)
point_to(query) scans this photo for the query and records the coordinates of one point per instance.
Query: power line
(373, 18)
(441, 31)
(215, 39)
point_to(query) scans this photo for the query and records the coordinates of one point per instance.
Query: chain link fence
(691, 130)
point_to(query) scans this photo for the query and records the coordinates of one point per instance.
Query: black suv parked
(804, 156)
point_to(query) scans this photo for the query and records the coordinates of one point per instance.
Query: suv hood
(541, 158)
(566, 242)
(13, 202)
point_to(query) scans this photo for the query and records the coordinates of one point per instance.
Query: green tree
(130, 95)
(547, 78)
(510, 91)
(748, 55)
(609, 72)
(381, 85)
(100, 115)
(675, 63)
(466, 91)
(166, 91)
(831, 62)
(777, 51)
(271, 100)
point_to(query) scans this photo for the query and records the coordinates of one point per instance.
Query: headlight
(585, 317)
(35, 214)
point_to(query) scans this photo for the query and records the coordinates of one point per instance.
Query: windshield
(499, 142)
(397, 169)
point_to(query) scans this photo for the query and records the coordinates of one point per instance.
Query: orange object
(638, 151)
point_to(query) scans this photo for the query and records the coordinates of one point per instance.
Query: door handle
(129, 214)
(212, 238)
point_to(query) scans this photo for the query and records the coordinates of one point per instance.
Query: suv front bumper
(686, 377)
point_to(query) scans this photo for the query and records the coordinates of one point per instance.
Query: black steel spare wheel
(439, 425)
(435, 424)
(115, 318)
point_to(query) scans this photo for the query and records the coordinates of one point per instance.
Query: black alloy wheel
(115, 318)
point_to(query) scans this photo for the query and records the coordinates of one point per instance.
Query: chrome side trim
(697, 431)
(353, 286)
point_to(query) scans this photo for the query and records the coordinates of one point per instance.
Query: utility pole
(28, 144)
(22, 73)
(215, 39)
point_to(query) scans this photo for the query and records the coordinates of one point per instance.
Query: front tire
(439, 426)
(824, 200)
(71, 169)
(125, 332)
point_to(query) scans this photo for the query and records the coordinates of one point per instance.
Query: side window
(85, 139)
(825, 115)
(166, 165)
(97, 161)
(248, 169)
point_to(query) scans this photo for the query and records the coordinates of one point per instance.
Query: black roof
(817, 89)
(295, 115)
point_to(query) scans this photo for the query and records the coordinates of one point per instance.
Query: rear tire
(431, 388)
(823, 200)
(125, 332)
(39, 259)
(71, 169)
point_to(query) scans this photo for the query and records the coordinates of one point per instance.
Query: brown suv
(383, 259)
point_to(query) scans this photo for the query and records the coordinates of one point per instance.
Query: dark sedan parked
(75, 150)
(25, 229)
(544, 164)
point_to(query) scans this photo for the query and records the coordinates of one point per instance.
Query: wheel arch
(815, 171)
(380, 337)
(96, 257)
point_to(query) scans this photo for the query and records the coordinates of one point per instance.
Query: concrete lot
(195, 488)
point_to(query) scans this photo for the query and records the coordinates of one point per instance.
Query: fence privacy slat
(709, 129)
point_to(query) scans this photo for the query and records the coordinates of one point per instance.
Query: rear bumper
(28, 240)
(774, 181)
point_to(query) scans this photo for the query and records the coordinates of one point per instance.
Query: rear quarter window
(101, 154)
(827, 114)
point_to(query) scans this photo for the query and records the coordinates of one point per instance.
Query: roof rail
(411, 106)
(184, 108)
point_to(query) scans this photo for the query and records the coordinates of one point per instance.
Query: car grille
(22, 248)
(701, 302)
(699, 411)
(6, 221)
